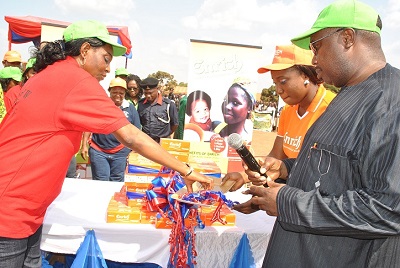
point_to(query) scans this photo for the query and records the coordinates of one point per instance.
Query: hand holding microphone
(236, 142)
(262, 198)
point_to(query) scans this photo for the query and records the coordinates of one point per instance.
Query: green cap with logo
(341, 14)
(11, 72)
(121, 71)
(92, 28)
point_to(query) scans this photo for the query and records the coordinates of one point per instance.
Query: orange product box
(118, 214)
(121, 197)
(172, 145)
(137, 190)
(163, 223)
(178, 148)
(226, 214)
(181, 156)
(136, 186)
(115, 203)
(206, 167)
(191, 221)
(148, 217)
(141, 169)
(141, 177)
(141, 161)
(139, 202)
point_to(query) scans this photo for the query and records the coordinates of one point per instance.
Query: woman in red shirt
(44, 129)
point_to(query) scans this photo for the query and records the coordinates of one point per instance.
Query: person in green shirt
(181, 118)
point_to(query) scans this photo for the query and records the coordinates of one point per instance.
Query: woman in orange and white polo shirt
(297, 83)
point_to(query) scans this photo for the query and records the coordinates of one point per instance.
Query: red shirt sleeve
(88, 108)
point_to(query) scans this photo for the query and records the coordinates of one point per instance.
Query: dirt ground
(262, 142)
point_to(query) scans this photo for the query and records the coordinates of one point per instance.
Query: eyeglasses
(132, 88)
(312, 44)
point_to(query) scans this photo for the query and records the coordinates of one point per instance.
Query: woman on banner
(43, 141)
(237, 110)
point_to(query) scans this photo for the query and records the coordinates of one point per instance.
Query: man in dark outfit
(158, 115)
(341, 204)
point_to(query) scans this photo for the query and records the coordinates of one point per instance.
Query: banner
(222, 86)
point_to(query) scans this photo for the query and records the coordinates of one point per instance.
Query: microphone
(236, 142)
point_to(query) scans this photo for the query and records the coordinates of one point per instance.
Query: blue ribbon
(134, 195)
(145, 170)
(207, 197)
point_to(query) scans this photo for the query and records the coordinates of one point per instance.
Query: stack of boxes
(125, 209)
(141, 169)
(128, 205)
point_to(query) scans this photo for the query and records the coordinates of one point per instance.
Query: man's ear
(348, 37)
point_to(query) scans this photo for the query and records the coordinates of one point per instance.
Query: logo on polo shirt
(294, 142)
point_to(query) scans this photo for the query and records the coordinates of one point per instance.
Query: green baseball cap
(92, 28)
(30, 63)
(341, 13)
(121, 71)
(11, 72)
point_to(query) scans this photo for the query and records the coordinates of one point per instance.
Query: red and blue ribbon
(182, 238)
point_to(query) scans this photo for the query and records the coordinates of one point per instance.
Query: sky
(160, 30)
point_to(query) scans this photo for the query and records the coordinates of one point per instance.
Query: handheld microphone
(236, 142)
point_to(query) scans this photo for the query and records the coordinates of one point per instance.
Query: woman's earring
(306, 82)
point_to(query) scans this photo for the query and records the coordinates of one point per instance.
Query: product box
(121, 198)
(137, 186)
(138, 202)
(206, 167)
(163, 223)
(173, 145)
(206, 213)
(141, 169)
(226, 214)
(120, 213)
(133, 192)
(148, 217)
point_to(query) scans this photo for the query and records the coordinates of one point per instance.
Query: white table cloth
(82, 205)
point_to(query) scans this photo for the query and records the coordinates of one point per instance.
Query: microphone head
(235, 141)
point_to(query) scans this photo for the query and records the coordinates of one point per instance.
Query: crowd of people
(330, 178)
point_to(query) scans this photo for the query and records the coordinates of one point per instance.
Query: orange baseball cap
(12, 56)
(118, 82)
(288, 56)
